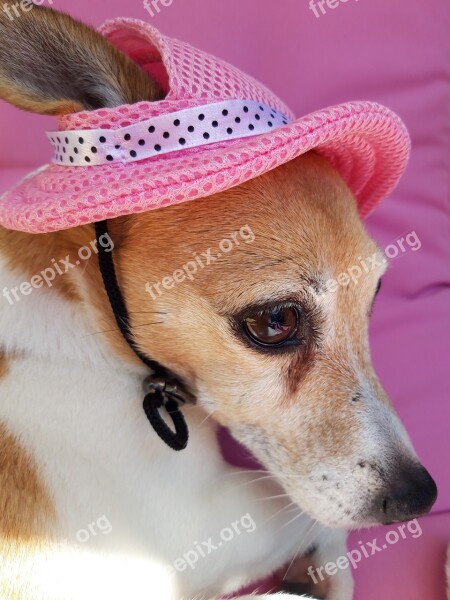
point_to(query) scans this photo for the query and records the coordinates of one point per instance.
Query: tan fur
(28, 254)
(26, 516)
(3, 365)
(307, 201)
(25, 507)
(69, 69)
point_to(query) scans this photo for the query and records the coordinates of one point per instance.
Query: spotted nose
(411, 493)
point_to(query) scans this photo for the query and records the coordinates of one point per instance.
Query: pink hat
(215, 129)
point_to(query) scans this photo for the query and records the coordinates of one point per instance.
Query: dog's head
(258, 297)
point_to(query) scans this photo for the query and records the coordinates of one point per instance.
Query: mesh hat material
(366, 142)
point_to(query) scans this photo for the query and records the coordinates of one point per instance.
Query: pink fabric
(365, 141)
(396, 53)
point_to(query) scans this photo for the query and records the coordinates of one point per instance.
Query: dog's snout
(411, 493)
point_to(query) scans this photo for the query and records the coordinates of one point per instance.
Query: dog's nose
(411, 494)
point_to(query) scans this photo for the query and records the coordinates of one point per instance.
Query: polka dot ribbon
(188, 128)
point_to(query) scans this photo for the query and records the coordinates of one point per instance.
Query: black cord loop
(163, 388)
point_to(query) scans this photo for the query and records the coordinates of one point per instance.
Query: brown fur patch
(28, 255)
(25, 507)
(3, 365)
(52, 64)
(26, 518)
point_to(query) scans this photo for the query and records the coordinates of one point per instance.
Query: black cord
(161, 395)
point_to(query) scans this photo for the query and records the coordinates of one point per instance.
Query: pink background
(396, 52)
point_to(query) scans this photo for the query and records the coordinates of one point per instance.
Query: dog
(94, 503)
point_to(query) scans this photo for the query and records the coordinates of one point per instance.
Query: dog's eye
(273, 326)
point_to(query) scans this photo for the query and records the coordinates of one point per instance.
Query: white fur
(78, 412)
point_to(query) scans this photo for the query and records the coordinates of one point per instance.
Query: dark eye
(273, 326)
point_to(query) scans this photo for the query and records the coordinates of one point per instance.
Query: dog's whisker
(301, 513)
(202, 422)
(282, 509)
(147, 312)
(247, 472)
(302, 548)
(116, 329)
(146, 324)
(245, 483)
(100, 332)
(274, 497)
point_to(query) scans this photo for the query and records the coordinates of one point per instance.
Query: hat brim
(367, 143)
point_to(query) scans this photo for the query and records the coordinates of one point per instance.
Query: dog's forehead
(294, 227)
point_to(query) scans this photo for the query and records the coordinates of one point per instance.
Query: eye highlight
(273, 326)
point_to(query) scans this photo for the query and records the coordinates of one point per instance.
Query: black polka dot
(284, 122)
(75, 150)
(251, 127)
(215, 124)
(117, 146)
(102, 139)
(127, 137)
(206, 135)
(87, 159)
(109, 157)
(176, 122)
(133, 153)
(201, 117)
(67, 140)
(261, 108)
(81, 140)
(151, 129)
(158, 148)
(269, 123)
(238, 119)
(225, 113)
(71, 158)
(191, 128)
(59, 141)
(257, 117)
(182, 141)
(229, 130)
(93, 150)
(246, 109)
(166, 135)
(141, 142)
(272, 116)
(64, 149)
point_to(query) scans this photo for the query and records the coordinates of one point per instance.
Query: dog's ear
(52, 64)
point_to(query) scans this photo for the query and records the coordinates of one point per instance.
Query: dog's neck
(49, 327)
(49, 323)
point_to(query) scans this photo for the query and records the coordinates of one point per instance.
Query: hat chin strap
(162, 388)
